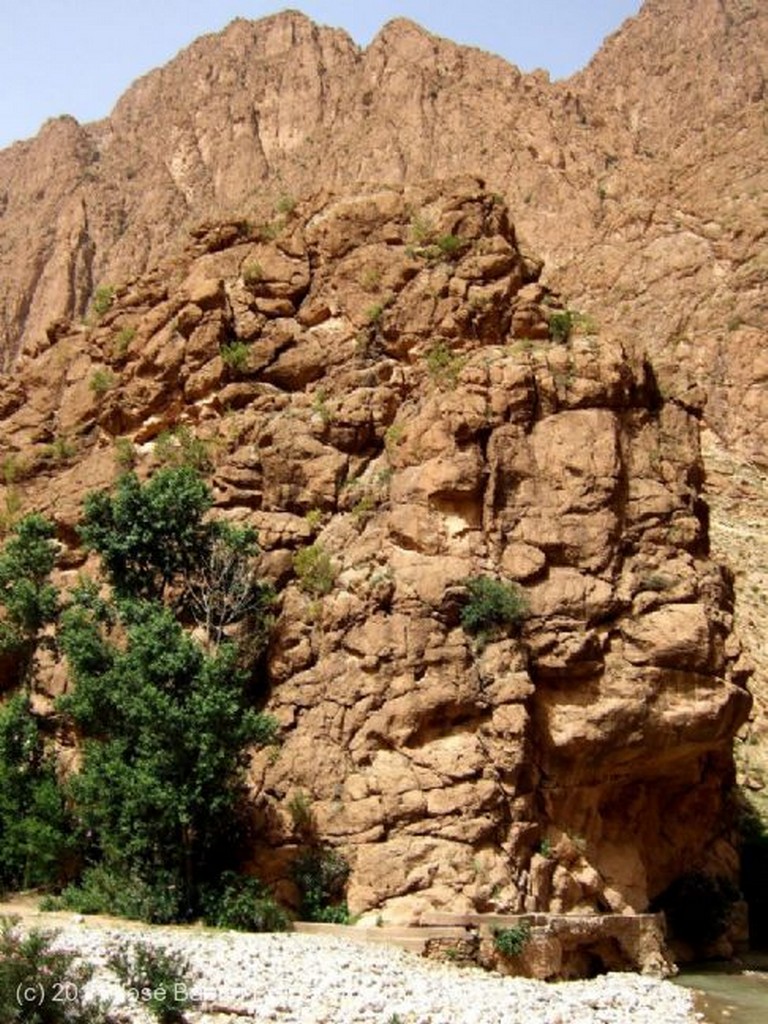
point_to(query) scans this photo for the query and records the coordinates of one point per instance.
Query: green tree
(155, 543)
(165, 721)
(35, 835)
(29, 599)
(148, 534)
(165, 727)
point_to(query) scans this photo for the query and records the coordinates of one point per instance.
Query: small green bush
(314, 518)
(364, 507)
(512, 941)
(253, 272)
(393, 435)
(102, 381)
(61, 449)
(181, 447)
(106, 890)
(450, 245)
(11, 510)
(39, 985)
(492, 606)
(285, 205)
(300, 810)
(443, 365)
(121, 341)
(315, 570)
(321, 875)
(422, 229)
(102, 300)
(243, 903)
(236, 355)
(270, 230)
(374, 313)
(158, 979)
(320, 405)
(12, 469)
(561, 325)
(125, 453)
(545, 847)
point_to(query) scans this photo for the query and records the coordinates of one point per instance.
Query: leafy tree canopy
(164, 717)
(153, 539)
(29, 599)
(33, 821)
(165, 720)
(148, 534)
(165, 728)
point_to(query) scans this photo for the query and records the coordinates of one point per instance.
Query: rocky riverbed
(307, 979)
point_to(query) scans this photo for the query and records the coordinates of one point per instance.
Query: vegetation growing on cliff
(26, 593)
(492, 606)
(321, 874)
(165, 717)
(34, 826)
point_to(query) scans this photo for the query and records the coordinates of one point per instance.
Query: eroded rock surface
(641, 180)
(400, 406)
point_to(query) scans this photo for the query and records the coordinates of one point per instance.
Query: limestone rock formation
(641, 180)
(375, 376)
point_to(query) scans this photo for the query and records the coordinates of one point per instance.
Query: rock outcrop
(374, 375)
(641, 181)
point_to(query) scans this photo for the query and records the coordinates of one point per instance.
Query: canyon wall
(641, 181)
(375, 377)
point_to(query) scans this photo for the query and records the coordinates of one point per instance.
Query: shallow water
(736, 993)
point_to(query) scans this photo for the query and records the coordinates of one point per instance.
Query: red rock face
(640, 180)
(401, 407)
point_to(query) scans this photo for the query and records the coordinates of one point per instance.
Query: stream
(732, 992)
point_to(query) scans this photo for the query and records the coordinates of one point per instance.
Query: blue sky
(78, 56)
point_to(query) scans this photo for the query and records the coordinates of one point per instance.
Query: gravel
(307, 979)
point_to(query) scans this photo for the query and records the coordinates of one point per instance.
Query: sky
(78, 56)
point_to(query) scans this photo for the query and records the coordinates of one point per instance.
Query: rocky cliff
(640, 180)
(388, 393)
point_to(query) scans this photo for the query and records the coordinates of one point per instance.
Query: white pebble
(310, 979)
